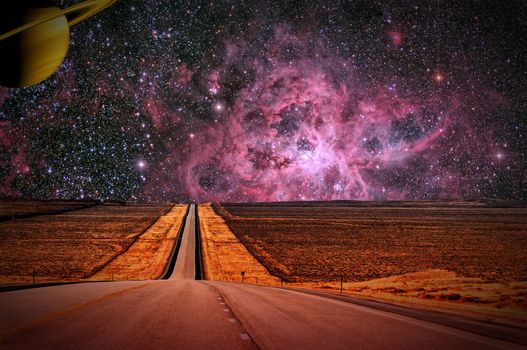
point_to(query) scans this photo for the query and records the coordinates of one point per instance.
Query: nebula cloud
(171, 101)
(303, 126)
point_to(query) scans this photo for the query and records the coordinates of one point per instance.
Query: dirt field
(224, 256)
(147, 257)
(467, 257)
(17, 208)
(71, 245)
(321, 242)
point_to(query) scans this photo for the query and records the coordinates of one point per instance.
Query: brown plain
(147, 257)
(224, 256)
(79, 244)
(465, 257)
(17, 208)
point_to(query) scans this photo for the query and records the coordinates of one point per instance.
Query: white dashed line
(232, 320)
(226, 310)
(245, 336)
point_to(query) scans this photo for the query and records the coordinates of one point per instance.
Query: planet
(36, 38)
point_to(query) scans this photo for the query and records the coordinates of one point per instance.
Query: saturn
(35, 38)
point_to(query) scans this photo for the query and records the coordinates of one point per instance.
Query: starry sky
(277, 100)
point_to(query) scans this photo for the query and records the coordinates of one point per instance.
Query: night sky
(278, 100)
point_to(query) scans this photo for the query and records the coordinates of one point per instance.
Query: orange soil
(444, 291)
(224, 256)
(315, 242)
(13, 208)
(72, 245)
(148, 255)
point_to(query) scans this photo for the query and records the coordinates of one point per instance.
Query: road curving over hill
(183, 313)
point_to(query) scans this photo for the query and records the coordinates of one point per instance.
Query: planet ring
(81, 12)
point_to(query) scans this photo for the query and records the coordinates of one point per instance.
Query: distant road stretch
(186, 258)
(181, 313)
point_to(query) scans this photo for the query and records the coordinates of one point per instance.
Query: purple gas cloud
(305, 126)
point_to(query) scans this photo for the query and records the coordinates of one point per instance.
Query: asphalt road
(180, 313)
(185, 262)
(277, 318)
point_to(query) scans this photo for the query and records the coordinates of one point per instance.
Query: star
(280, 102)
(218, 107)
(438, 77)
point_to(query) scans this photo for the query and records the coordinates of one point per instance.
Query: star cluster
(271, 101)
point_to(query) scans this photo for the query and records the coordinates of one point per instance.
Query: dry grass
(72, 245)
(442, 290)
(463, 257)
(147, 257)
(13, 208)
(224, 256)
(314, 243)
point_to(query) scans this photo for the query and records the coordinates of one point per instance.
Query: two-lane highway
(178, 313)
(181, 313)
(185, 268)
(277, 318)
(151, 315)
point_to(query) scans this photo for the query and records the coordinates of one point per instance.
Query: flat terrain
(320, 242)
(19, 208)
(181, 313)
(147, 257)
(70, 245)
(224, 256)
(471, 254)
(187, 314)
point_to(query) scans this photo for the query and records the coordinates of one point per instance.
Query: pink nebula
(303, 128)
